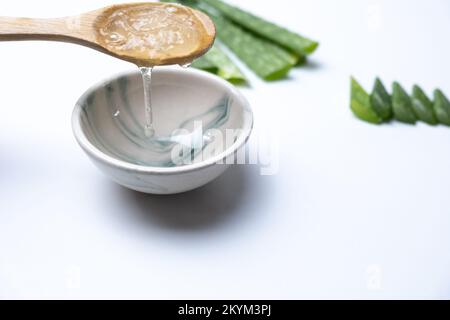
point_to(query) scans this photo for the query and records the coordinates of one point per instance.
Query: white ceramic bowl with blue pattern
(201, 123)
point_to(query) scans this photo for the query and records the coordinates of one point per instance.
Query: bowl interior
(197, 117)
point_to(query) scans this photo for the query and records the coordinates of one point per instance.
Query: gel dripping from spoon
(147, 85)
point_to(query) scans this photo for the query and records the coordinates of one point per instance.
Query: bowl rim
(101, 156)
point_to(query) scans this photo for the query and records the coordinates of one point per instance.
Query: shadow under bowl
(200, 120)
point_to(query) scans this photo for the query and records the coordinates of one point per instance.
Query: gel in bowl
(201, 122)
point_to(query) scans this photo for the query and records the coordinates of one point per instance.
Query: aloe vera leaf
(360, 104)
(288, 39)
(381, 100)
(442, 107)
(402, 105)
(423, 106)
(218, 62)
(268, 60)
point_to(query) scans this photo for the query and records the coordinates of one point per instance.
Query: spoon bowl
(147, 34)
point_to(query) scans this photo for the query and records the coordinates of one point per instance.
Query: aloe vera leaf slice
(442, 107)
(381, 100)
(423, 106)
(402, 105)
(360, 104)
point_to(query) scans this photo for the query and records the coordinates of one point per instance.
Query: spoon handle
(70, 29)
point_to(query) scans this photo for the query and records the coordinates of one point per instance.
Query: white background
(355, 210)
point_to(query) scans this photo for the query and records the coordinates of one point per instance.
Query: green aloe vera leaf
(381, 100)
(288, 39)
(268, 60)
(360, 104)
(442, 107)
(218, 62)
(402, 105)
(423, 106)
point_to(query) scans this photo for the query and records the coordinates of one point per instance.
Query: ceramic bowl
(200, 120)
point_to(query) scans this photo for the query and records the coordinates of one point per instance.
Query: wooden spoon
(147, 34)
